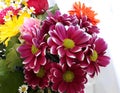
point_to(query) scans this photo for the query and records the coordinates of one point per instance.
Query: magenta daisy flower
(67, 42)
(39, 79)
(95, 57)
(67, 79)
(33, 50)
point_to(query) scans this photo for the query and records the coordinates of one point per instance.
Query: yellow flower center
(68, 43)
(94, 56)
(24, 89)
(41, 72)
(68, 76)
(34, 49)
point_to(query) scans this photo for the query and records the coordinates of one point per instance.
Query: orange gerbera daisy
(81, 10)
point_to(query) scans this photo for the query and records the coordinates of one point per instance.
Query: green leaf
(3, 67)
(10, 82)
(13, 59)
(12, 42)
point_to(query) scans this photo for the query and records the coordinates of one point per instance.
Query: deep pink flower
(33, 50)
(67, 79)
(66, 42)
(39, 79)
(95, 57)
(40, 5)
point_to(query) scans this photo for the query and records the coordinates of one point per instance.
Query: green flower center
(68, 43)
(34, 49)
(68, 76)
(41, 73)
(94, 56)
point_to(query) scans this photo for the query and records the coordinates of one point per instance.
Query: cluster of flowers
(59, 51)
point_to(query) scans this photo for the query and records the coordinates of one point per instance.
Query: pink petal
(57, 73)
(71, 55)
(25, 54)
(55, 38)
(91, 69)
(62, 87)
(27, 38)
(61, 52)
(56, 41)
(80, 56)
(31, 64)
(70, 61)
(53, 50)
(70, 89)
(76, 49)
(28, 59)
(50, 41)
(101, 46)
(23, 48)
(103, 60)
(61, 31)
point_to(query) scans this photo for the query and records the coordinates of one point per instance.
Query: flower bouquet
(45, 51)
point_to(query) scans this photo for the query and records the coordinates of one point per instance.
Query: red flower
(40, 5)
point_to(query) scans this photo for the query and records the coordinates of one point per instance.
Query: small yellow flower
(23, 89)
(11, 28)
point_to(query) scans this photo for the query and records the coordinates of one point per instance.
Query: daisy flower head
(33, 50)
(67, 41)
(67, 79)
(39, 79)
(81, 10)
(23, 89)
(96, 56)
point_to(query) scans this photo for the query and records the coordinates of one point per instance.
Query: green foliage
(10, 77)
(9, 80)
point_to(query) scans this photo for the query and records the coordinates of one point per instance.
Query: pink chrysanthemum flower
(39, 79)
(67, 79)
(33, 50)
(95, 56)
(29, 25)
(52, 19)
(66, 42)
